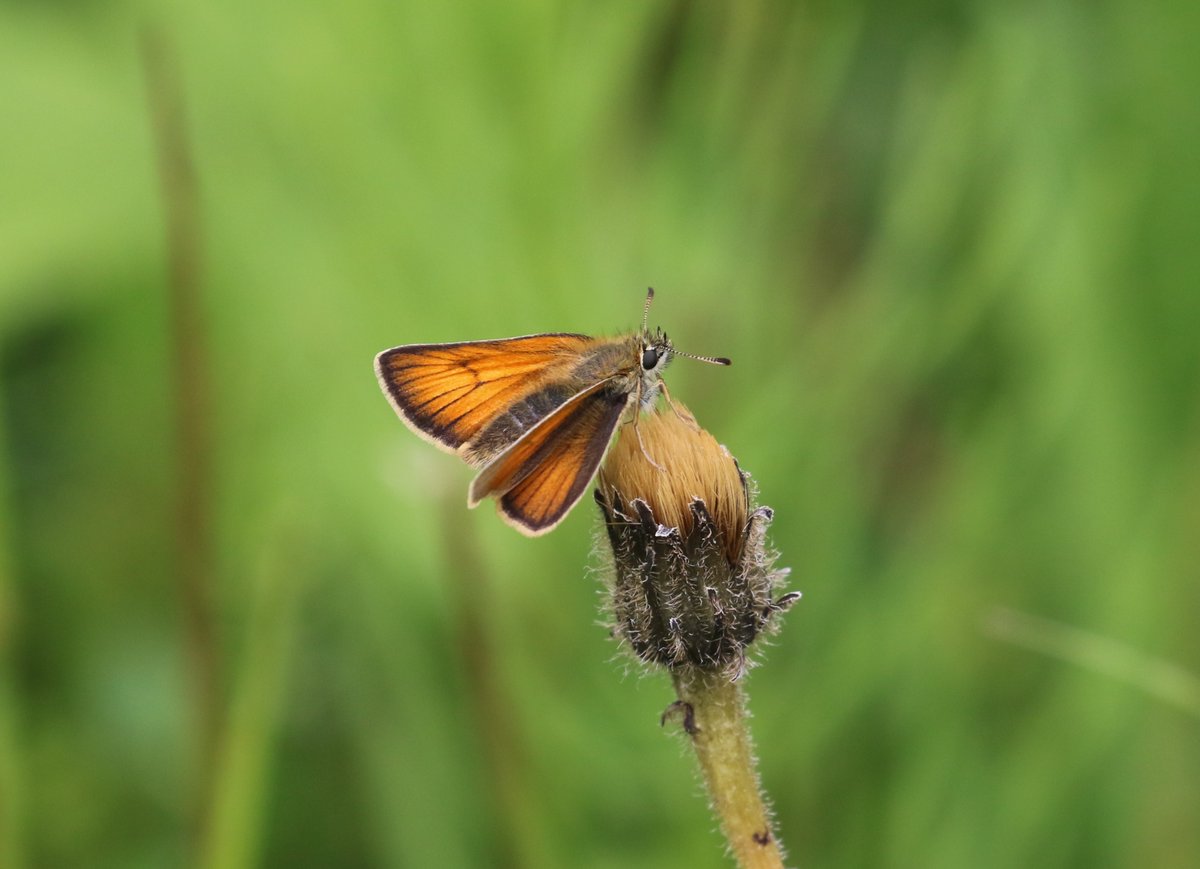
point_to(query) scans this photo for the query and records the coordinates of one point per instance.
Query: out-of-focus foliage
(951, 250)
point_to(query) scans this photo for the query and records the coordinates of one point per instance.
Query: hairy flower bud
(694, 581)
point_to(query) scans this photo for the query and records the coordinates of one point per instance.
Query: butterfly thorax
(631, 364)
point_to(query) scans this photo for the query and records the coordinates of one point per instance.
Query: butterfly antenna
(711, 360)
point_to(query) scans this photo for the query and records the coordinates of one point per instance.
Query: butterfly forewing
(449, 393)
(543, 475)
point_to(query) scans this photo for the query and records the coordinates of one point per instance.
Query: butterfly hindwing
(544, 473)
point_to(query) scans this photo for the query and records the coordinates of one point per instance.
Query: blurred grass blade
(12, 836)
(1158, 678)
(189, 391)
(236, 828)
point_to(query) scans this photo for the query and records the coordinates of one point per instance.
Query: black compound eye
(649, 358)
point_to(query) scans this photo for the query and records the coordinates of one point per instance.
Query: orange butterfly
(535, 414)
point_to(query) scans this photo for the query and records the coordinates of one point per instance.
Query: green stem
(193, 434)
(715, 718)
(241, 775)
(12, 808)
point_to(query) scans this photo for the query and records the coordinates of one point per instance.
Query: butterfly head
(656, 352)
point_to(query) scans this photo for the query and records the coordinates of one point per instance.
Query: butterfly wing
(544, 473)
(450, 393)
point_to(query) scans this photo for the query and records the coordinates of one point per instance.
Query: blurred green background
(245, 617)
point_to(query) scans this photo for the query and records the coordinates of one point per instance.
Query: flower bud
(693, 580)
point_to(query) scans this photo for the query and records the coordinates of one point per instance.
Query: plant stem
(520, 841)
(193, 436)
(235, 833)
(12, 806)
(714, 710)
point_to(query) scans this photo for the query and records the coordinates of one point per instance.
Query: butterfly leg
(642, 446)
(637, 413)
(685, 414)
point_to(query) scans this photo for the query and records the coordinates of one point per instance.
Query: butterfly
(535, 414)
